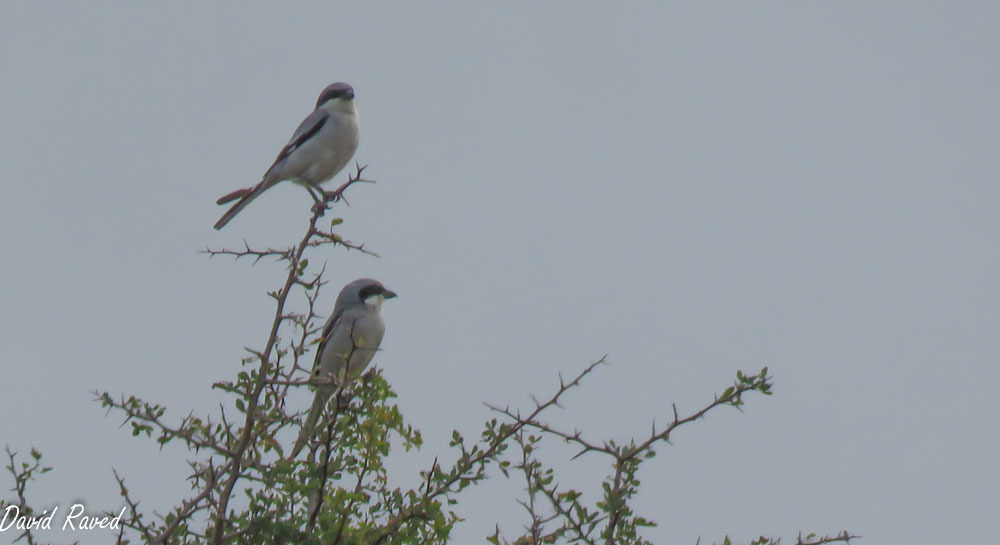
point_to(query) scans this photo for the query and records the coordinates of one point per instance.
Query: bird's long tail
(245, 196)
(319, 404)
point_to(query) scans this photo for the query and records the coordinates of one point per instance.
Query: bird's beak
(388, 294)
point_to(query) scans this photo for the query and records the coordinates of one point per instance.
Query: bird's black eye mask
(335, 92)
(368, 291)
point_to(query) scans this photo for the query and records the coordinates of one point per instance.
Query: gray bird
(322, 145)
(350, 339)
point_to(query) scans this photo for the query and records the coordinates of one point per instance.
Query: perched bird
(322, 145)
(350, 339)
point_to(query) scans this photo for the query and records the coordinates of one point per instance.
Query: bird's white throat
(375, 301)
(341, 105)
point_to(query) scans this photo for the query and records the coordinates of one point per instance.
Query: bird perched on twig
(322, 145)
(349, 340)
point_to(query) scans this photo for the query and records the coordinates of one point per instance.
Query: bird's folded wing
(307, 129)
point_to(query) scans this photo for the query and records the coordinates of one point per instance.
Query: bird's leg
(319, 204)
(312, 191)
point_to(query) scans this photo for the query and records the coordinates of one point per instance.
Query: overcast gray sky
(691, 188)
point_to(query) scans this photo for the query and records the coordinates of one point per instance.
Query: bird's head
(365, 291)
(337, 96)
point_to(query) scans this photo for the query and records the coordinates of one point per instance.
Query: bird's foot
(333, 196)
(320, 207)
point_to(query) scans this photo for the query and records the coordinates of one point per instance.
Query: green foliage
(246, 490)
